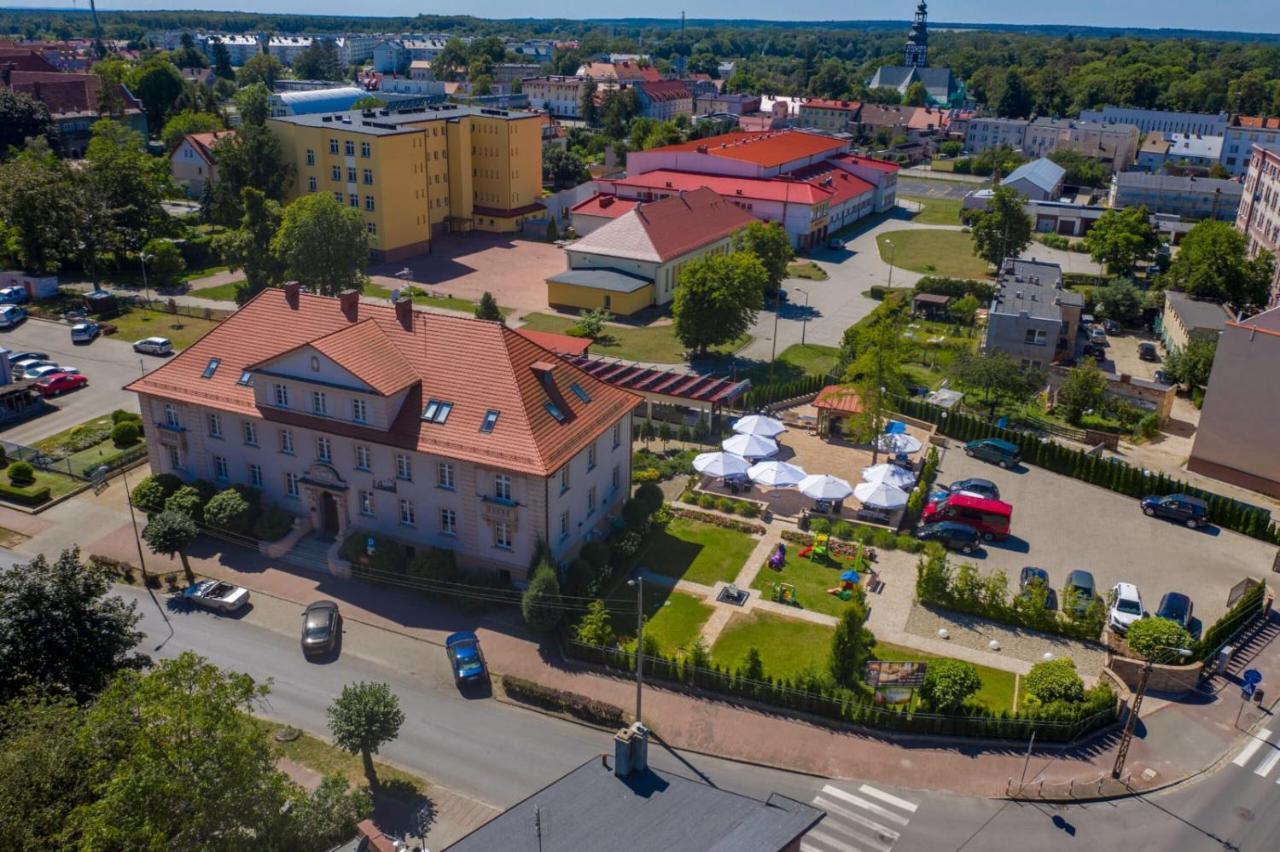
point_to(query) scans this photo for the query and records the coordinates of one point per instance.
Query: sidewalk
(1174, 741)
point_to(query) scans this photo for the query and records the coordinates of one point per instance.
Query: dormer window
(210, 368)
(437, 411)
(319, 403)
(579, 392)
(554, 411)
(359, 411)
(281, 395)
(490, 420)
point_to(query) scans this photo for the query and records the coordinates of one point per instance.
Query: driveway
(1061, 524)
(936, 187)
(109, 364)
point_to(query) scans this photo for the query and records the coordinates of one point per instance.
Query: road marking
(888, 834)
(1264, 768)
(864, 804)
(910, 807)
(1251, 747)
(826, 840)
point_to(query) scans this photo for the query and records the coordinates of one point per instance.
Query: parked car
(1147, 352)
(15, 357)
(1092, 350)
(1111, 326)
(977, 487)
(321, 626)
(1031, 578)
(56, 384)
(465, 657)
(995, 451)
(11, 315)
(950, 535)
(1176, 606)
(217, 595)
(1079, 591)
(1126, 607)
(23, 369)
(85, 332)
(991, 518)
(14, 296)
(1164, 378)
(153, 346)
(1097, 336)
(47, 370)
(1182, 508)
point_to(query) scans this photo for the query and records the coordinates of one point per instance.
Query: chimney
(631, 750)
(349, 301)
(544, 371)
(404, 312)
(291, 291)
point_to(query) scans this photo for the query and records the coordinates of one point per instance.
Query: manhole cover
(1245, 814)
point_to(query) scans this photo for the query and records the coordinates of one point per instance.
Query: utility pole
(639, 584)
(804, 321)
(1126, 737)
(777, 309)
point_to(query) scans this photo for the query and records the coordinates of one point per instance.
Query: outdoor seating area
(796, 472)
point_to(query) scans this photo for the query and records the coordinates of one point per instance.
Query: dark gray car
(1079, 592)
(321, 626)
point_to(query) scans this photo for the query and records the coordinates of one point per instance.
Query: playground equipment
(778, 557)
(785, 593)
(817, 550)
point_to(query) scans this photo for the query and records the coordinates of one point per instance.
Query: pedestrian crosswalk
(1261, 754)
(863, 819)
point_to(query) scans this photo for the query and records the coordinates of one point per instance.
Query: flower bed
(718, 520)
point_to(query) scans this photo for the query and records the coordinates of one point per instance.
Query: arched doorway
(328, 514)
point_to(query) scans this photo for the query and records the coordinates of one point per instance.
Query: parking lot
(109, 365)
(1061, 524)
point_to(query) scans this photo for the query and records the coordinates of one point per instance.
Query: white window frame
(171, 416)
(404, 467)
(362, 457)
(291, 484)
(319, 403)
(591, 500)
(220, 468)
(408, 516)
(448, 522)
(359, 411)
(502, 535)
(502, 487)
(365, 502)
(281, 395)
(286, 441)
(444, 476)
(255, 475)
(324, 449)
(250, 430)
(215, 424)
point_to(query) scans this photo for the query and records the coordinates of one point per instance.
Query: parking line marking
(1264, 768)
(910, 807)
(858, 801)
(1251, 747)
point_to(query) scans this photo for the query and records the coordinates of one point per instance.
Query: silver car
(153, 346)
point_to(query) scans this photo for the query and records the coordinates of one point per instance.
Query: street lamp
(804, 320)
(1126, 736)
(893, 250)
(638, 582)
(143, 257)
(777, 309)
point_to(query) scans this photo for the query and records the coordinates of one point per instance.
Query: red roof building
(73, 101)
(619, 72)
(192, 163)
(663, 100)
(436, 430)
(761, 155)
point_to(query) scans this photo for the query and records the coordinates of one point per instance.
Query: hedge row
(1110, 473)
(578, 706)
(983, 291)
(1249, 605)
(718, 520)
(25, 495)
(1056, 723)
(758, 397)
(854, 533)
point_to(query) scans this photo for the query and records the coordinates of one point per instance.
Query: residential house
(416, 173)
(1193, 151)
(600, 209)
(664, 100)
(436, 431)
(1259, 215)
(1160, 121)
(390, 56)
(199, 76)
(1038, 180)
(884, 122)
(506, 73)
(1184, 196)
(619, 72)
(74, 102)
(420, 69)
(1153, 153)
(986, 132)
(1243, 132)
(192, 164)
(561, 96)
(1235, 438)
(25, 59)
(1070, 218)
(634, 261)
(1186, 318)
(1113, 144)
(829, 115)
(1032, 317)
(726, 104)
(628, 807)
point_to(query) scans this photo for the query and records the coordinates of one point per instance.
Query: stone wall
(1173, 681)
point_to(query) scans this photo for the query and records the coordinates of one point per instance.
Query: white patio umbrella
(758, 424)
(720, 464)
(775, 474)
(898, 444)
(881, 495)
(890, 473)
(824, 486)
(750, 446)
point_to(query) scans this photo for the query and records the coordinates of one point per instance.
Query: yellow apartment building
(415, 174)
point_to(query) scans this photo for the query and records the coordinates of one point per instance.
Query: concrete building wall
(594, 298)
(1258, 217)
(190, 170)
(984, 133)
(1009, 333)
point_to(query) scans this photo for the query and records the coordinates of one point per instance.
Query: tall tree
(365, 717)
(852, 642)
(540, 604)
(21, 118)
(1192, 364)
(717, 298)
(1212, 263)
(248, 247)
(587, 104)
(129, 183)
(452, 61)
(563, 169)
(1015, 100)
(158, 84)
(252, 158)
(1003, 229)
(318, 62)
(996, 375)
(183, 123)
(769, 243)
(876, 371)
(1120, 301)
(323, 244)
(170, 534)
(1083, 389)
(1121, 238)
(260, 68)
(487, 308)
(831, 80)
(916, 95)
(222, 62)
(62, 632)
(39, 199)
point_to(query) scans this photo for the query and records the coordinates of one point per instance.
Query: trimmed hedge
(1224, 628)
(579, 706)
(758, 397)
(25, 495)
(1112, 474)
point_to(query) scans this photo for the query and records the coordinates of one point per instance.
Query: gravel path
(972, 632)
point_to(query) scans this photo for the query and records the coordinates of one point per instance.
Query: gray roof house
(1032, 317)
(938, 82)
(1038, 180)
(628, 807)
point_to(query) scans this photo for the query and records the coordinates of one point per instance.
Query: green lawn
(810, 577)
(933, 252)
(675, 619)
(943, 165)
(807, 269)
(654, 343)
(451, 303)
(697, 552)
(787, 646)
(795, 362)
(936, 210)
(91, 453)
(326, 759)
(219, 293)
(181, 330)
(997, 684)
(58, 483)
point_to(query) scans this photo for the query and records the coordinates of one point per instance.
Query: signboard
(898, 675)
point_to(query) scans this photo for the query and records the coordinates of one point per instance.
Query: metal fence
(76, 465)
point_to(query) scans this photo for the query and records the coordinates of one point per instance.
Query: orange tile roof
(1257, 122)
(364, 351)
(769, 148)
(474, 364)
(825, 103)
(829, 177)
(757, 189)
(203, 142)
(839, 398)
(604, 206)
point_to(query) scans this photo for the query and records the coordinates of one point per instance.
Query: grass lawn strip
(931, 251)
(811, 578)
(807, 269)
(675, 618)
(654, 343)
(795, 362)
(218, 292)
(318, 755)
(421, 297)
(936, 211)
(997, 684)
(181, 330)
(697, 552)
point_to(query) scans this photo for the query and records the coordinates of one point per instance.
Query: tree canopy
(769, 243)
(1083, 389)
(1213, 263)
(1003, 229)
(365, 717)
(22, 117)
(717, 298)
(1121, 238)
(322, 244)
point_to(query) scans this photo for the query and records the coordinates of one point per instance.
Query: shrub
(229, 510)
(706, 501)
(150, 494)
(819, 525)
(1054, 680)
(1147, 427)
(741, 507)
(434, 565)
(272, 524)
(842, 529)
(649, 496)
(884, 539)
(596, 553)
(125, 434)
(646, 475)
(540, 604)
(1153, 639)
(908, 544)
(724, 504)
(596, 627)
(121, 416)
(187, 500)
(627, 544)
(579, 706)
(748, 509)
(948, 684)
(27, 495)
(21, 474)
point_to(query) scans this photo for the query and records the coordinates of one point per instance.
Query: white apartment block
(1242, 134)
(987, 132)
(1259, 215)
(561, 96)
(1160, 121)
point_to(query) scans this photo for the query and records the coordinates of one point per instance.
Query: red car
(60, 383)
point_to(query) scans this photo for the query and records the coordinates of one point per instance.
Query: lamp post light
(143, 257)
(1126, 736)
(638, 582)
(777, 309)
(893, 251)
(804, 320)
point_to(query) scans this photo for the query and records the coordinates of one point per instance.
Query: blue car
(465, 657)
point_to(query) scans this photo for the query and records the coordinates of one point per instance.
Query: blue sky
(1241, 15)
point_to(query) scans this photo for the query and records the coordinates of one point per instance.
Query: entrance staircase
(311, 552)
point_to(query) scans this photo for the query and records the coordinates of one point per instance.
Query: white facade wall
(355, 49)
(1160, 121)
(561, 96)
(1238, 142)
(1259, 215)
(984, 133)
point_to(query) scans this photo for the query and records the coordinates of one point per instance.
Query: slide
(805, 551)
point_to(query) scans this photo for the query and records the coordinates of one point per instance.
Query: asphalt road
(498, 754)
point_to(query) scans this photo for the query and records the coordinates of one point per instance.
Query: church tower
(916, 53)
